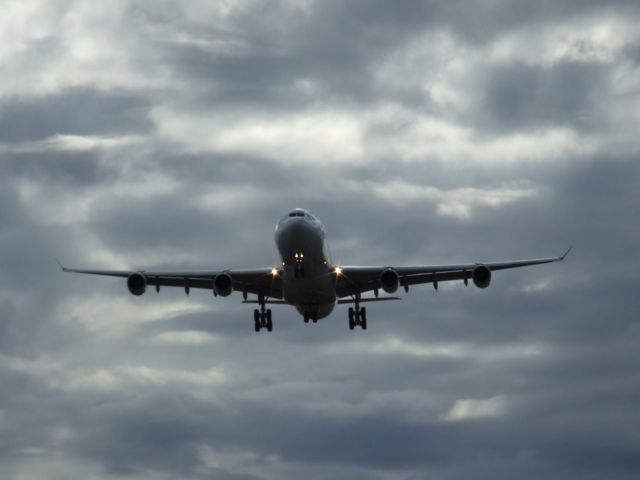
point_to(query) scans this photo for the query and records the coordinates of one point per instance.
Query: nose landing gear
(310, 315)
(298, 271)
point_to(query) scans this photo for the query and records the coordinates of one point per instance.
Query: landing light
(274, 272)
(338, 270)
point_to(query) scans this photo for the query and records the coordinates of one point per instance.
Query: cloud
(165, 135)
(78, 111)
(518, 96)
(476, 408)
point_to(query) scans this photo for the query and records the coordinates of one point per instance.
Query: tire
(363, 318)
(256, 320)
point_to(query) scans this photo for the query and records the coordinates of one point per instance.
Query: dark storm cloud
(633, 52)
(535, 376)
(565, 94)
(65, 169)
(78, 111)
(339, 46)
(179, 218)
(333, 46)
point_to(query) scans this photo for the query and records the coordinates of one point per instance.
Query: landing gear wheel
(314, 317)
(256, 320)
(306, 317)
(357, 316)
(269, 322)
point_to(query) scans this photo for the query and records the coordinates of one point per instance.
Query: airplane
(307, 278)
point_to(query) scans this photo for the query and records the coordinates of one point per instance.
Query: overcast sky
(147, 134)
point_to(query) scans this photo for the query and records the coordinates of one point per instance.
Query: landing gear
(357, 315)
(269, 322)
(262, 317)
(310, 315)
(256, 320)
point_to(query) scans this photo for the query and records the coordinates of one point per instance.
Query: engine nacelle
(223, 284)
(137, 284)
(481, 276)
(389, 280)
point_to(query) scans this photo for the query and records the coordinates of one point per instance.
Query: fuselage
(307, 280)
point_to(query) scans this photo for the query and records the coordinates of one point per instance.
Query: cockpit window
(296, 214)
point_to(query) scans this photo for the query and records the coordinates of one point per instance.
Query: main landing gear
(357, 315)
(262, 317)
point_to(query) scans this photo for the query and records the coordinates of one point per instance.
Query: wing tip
(562, 257)
(62, 267)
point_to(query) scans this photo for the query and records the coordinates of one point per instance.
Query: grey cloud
(633, 52)
(144, 436)
(336, 49)
(77, 111)
(568, 93)
(62, 168)
(319, 401)
(27, 249)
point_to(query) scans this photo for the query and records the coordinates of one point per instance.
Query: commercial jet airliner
(307, 278)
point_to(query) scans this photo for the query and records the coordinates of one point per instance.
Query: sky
(161, 134)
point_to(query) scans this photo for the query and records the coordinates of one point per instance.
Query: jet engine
(223, 284)
(481, 276)
(137, 284)
(389, 280)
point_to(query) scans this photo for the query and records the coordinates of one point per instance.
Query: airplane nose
(298, 230)
(294, 233)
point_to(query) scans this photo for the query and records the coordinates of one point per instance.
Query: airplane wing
(256, 281)
(356, 280)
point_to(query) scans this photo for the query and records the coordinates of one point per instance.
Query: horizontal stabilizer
(362, 300)
(270, 302)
